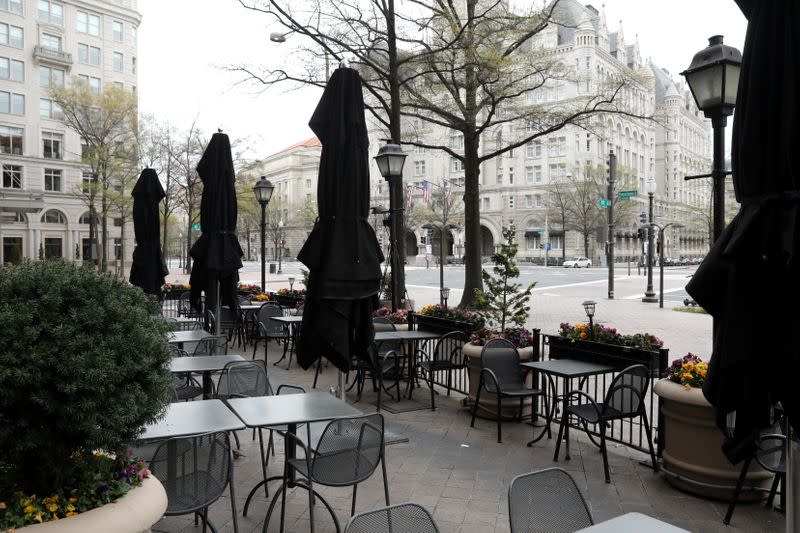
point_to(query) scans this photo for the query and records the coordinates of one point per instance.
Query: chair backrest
(212, 345)
(502, 358)
(348, 450)
(184, 307)
(626, 394)
(546, 501)
(230, 317)
(271, 328)
(384, 324)
(199, 473)
(241, 379)
(450, 348)
(400, 518)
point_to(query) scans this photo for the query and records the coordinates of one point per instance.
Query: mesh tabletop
(287, 319)
(401, 335)
(190, 418)
(202, 363)
(568, 368)
(633, 522)
(179, 337)
(290, 409)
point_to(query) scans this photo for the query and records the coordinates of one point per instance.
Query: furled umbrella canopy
(749, 279)
(148, 269)
(342, 252)
(217, 254)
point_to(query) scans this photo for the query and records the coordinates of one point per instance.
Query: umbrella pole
(342, 396)
(791, 483)
(217, 311)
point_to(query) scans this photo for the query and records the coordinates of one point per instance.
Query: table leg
(207, 388)
(567, 390)
(290, 453)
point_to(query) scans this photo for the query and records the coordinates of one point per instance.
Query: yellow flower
(688, 366)
(52, 507)
(71, 513)
(70, 507)
(38, 517)
(688, 387)
(583, 335)
(29, 509)
(73, 500)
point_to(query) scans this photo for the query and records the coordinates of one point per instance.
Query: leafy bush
(83, 367)
(581, 332)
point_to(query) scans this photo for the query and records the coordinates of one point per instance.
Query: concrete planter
(135, 512)
(489, 401)
(692, 446)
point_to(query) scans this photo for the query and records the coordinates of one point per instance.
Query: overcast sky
(184, 43)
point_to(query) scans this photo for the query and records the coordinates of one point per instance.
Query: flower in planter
(689, 371)
(261, 297)
(518, 336)
(398, 317)
(293, 293)
(249, 288)
(453, 313)
(606, 335)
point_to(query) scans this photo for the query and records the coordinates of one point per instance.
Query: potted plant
(693, 441)
(83, 367)
(503, 305)
(399, 318)
(442, 319)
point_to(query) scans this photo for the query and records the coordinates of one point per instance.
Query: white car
(578, 262)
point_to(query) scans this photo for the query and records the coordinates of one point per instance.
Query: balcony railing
(43, 53)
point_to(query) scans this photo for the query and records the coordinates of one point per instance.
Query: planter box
(693, 445)
(439, 325)
(285, 301)
(488, 400)
(617, 356)
(135, 512)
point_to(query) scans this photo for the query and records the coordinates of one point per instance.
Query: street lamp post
(650, 294)
(445, 294)
(280, 245)
(441, 228)
(291, 283)
(263, 191)
(390, 160)
(713, 78)
(661, 237)
(589, 306)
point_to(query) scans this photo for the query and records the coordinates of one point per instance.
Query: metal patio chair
(184, 386)
(547, 501)
(400, 518)
(212, 345)
(268, 329)
(447, 356)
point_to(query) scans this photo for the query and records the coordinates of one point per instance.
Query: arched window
(53, 217)
(86, 218)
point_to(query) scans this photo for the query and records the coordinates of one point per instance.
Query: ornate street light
(263, 191)
(588, 307)
(445, 293)
(390, 160)
(291, 283)
(650, 294)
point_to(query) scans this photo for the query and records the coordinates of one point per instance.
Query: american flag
(409, 195)
(426, 191)
(448, 190)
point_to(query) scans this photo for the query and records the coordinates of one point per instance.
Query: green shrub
(83, 367)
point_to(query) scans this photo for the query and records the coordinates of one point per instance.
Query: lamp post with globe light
(650, 294)
(390, 160)
(263, 191)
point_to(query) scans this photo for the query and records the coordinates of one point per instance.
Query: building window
(553, 173)
(11, 35)
(537, 173)
(52, 179)
(86, 218)
(12, 69)
(10, 140)
(53, 217)
(50, 109)
(511, 202)
(51, 77)
(133, 65)
(52, 145)
(118, 62)
(92, 82)
(12, 6)
(51, 12)
(88, 55)
(511, 175)
(134, 36)
(588, 143)
(12, 249)
(12, 176)
(117, 31)
(53, 248)
(486, 203)
(456, 165)
(529, 175)
(88, 181)
(50, 42)
(457, 140)
(419, 167)
(88, 23)
(12, 103)
(529, 200)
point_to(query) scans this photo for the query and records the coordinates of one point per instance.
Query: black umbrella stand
(148, 269)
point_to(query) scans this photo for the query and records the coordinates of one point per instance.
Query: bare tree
(185, 153)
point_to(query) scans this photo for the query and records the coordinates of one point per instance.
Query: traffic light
(422, 240)
(643, 218)
(642, 233)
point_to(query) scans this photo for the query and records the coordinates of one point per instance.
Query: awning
(532, 233)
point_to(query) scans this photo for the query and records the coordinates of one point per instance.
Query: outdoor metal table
(287, 410)
(567, 369)
(180, 337)
(633, 522)
(414, 337)
(205, 364)
(192, 418)
(182, 322)
(292, 322)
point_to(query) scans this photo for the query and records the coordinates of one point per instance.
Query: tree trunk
(585, 245)
(472, 223)
(104, 225)
(188, 264)
(122, 249)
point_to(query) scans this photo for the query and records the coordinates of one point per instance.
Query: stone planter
(692, 446)
(135, 512)
(489, 401)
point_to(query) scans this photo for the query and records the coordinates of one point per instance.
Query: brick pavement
(461, 475)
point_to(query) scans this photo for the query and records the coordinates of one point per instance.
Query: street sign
(547, 246)
(195, 227)
(603, 203)
(625, 195)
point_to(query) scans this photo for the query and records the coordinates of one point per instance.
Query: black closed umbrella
(342, 252)
(749, 280)
(217, 254)
(148, 268)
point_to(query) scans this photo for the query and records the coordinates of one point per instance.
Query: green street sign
(196, 227)
(603, 203)
(625, 195)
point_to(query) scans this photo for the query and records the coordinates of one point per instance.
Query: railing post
(537, 347)
(663, 361)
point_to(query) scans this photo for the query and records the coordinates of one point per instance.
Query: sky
(184, 46)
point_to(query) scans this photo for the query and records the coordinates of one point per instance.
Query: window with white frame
(12, 6)
(12, 103)
(511, 175)
(11, 35)
(530, 126)
(88, 23)
(52, 179)
(552, 147)
(486, 204)
(419, 167)
(537, 200)
(11, 140)
(133, 65)
(553, 175)
(529, 174)
(50, 109)
(51, 76)
(51, 12)
(118, 62)
(92, 82)
(52, 145)
(134, 36)
(12, 176)
(499, 176)
(528, 201)
(88, 55)
(88, 181)
(456, 165)
(53, 217)
(117, 31)
(12, 69)
(537, 173)
(48, 41)
(457, 140)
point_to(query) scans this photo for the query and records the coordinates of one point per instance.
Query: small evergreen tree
(504, 302)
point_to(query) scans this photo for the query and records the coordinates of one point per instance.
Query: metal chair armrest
(286, 386)
(591, 400)
(491, 374)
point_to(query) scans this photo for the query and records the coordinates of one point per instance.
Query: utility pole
(612, 178)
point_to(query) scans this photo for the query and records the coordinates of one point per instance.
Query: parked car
(578, 262)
